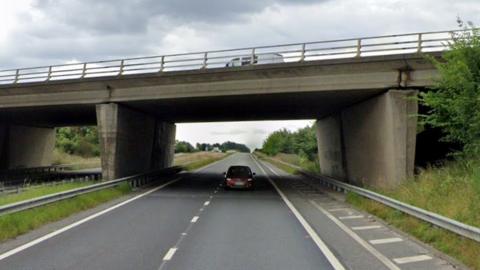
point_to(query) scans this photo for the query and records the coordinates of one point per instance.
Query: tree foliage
(82, 141)
(228, 145)
(302, 142)
(224, 147)
(183, 147)
(454, 101)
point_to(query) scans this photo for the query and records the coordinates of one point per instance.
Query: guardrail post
(419, 44)
(17, 72)
(205, 59)
(302, 57)
(162, 64)
(121, 67)
(359, 47)
(84, 70)
(49, 76)
(252, 60)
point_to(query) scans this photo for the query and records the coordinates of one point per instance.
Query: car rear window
(239, 172)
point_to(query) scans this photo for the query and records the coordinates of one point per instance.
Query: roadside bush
(454, 101)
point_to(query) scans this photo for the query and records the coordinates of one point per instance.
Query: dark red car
(239, 177)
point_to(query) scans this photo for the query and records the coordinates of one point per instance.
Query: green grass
(15, 224)
(202, 162)
(465, 250)
(77, 162)
(452, 190)
(37, 191)
(293, 159)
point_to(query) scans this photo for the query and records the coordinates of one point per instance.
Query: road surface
(193, 223)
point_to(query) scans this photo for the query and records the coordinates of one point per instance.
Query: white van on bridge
(267, 58)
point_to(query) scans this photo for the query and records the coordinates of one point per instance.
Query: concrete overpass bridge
(358, 89)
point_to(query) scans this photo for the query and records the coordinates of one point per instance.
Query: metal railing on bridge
(296, 52)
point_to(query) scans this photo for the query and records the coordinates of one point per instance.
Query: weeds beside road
(41, 190)
(452, 190)
(12, 225)
(15, 224)
(192, 161)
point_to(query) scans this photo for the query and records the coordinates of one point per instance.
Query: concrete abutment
(132, 142)
(25, 146)
(371, 143)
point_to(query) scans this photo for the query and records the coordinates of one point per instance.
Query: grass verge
(465, 250)
(282, 166)
(15, 224)
(452, 190)
(77, 162)
(193, 161)
(38, 191)
(280, 160)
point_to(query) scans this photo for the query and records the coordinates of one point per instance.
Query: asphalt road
(194, 224)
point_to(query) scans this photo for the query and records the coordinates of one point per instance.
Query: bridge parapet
(422, 42)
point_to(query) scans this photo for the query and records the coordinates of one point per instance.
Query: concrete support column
(330, 146)
(163, 145)
(25, 146)
(379, 138)
(132, 142)
(3, 147)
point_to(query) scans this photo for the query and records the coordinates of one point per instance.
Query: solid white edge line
(75, 224)
(194, 219)
(318, 241)
(387, 262)
(412, 259)
(385, 241)
(168, 256)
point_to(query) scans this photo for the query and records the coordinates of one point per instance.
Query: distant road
(195, 224)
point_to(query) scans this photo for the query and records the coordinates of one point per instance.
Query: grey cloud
(229, 132)
(260, 131)
(127, 16)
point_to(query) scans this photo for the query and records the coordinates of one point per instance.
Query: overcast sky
(44, 32)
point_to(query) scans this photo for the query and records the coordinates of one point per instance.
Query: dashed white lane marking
(385, 241)
(215, 191)
(382, 258)
(75, 224)
(412, 259)
(206, 203)
(169, 254)
(350, 217)
(339, 209)
(201, 209)
(184, 233)
(316, 239)
(363, 228)
(211, 197)
(194, 219)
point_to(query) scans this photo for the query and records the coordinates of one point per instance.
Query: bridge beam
(25, 146)
(132, 142)
(371, 143)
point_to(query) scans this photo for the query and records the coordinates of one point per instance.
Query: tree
(302, 142)
(81, 141)
(183, 147)
(454, 101)
(228, 145)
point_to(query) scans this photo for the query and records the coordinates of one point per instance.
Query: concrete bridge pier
(25, 146)
(371, 143)
(132, 142)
